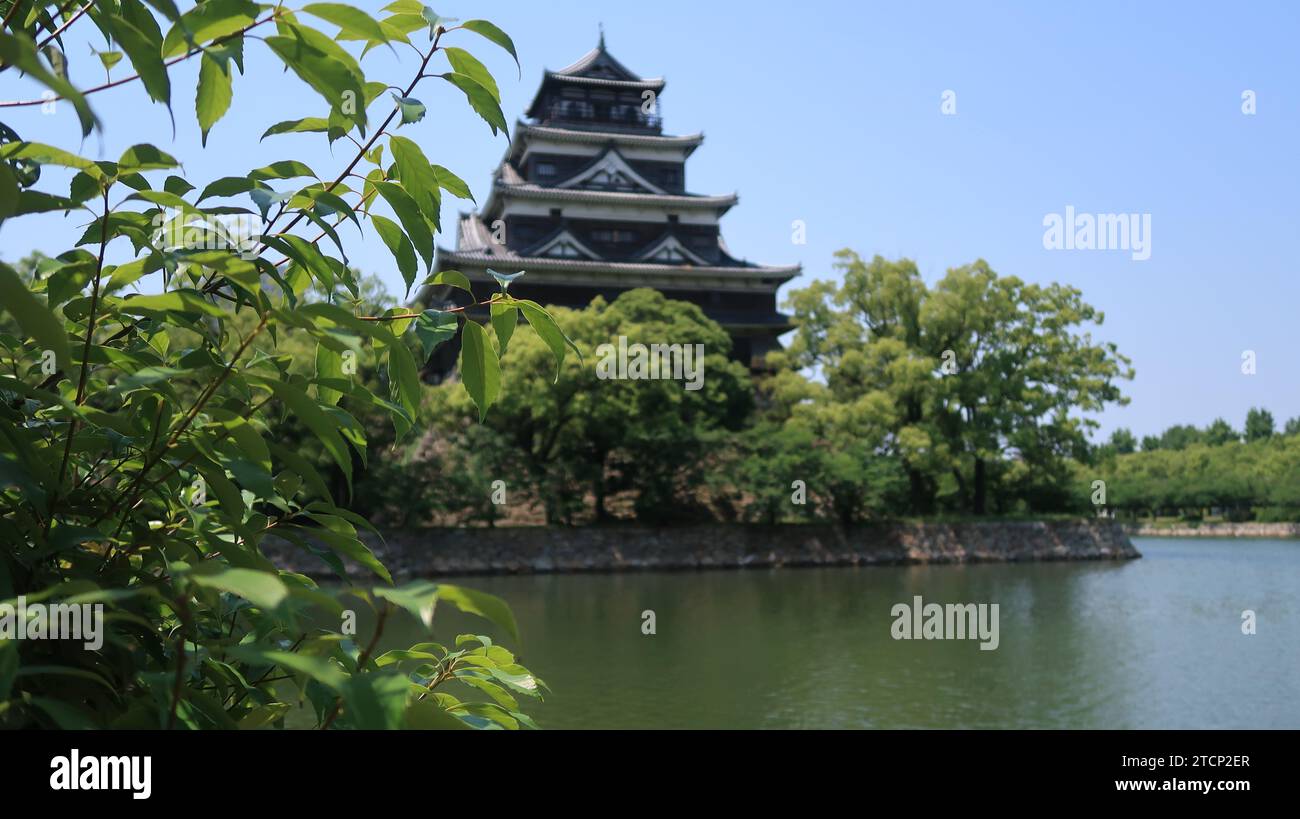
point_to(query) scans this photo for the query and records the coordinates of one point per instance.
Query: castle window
(614, 237)
(546, 170)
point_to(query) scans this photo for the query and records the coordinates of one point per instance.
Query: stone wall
(444, 552)
(1269, 530)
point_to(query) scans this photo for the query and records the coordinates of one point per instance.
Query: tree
(1180, 436)
(580, 433)
(147, 476)
(1123, 442)
(1292, 426)
(1259, 424)
(958, 379)
(1220, 432)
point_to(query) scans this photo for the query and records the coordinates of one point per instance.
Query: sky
(834, 114)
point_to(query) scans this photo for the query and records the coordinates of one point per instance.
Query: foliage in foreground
(145, 473)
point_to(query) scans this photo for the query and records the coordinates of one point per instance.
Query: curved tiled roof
(655, 84)
(529, 190)
(497, 255)
(523, 130)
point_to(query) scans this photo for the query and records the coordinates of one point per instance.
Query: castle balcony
(597, 116)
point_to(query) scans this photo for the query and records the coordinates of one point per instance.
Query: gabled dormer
(563, 245)
(668, 249)
(611, 172)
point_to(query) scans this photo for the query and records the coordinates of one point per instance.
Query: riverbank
(543, 550)
(1224, 530)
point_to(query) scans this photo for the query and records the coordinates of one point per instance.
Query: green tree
(1259, 424)
(145, 472)
(1123, 442)
(1220, 432)
(1180, 436)
(959, 379)
(581, 435)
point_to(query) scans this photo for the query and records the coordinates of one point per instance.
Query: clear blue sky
(830, 113)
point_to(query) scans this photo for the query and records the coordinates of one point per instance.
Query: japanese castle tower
(591, 199)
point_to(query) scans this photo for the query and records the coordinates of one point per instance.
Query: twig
(361, 663)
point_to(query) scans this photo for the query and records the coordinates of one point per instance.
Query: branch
(85, 361)
(124, 80)
(361, 663)
(134, 493)
(378, 133)
(69, 22)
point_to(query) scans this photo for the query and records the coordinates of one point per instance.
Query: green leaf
(462, 62)
(404, 377)
(418, 598)
(544, 325)
(412, 109)
(481, 100)
(175, 184)
(212, 99)
(262, 589)
(505, 317)
(138, 34)
(180, 301)
(35, 318)
(284, 169)
(208, 21)
(350, 21)
(329, 365)
(21, 53)
(504, 279)
(109, 58)
(319, 669)
(49, 155)
(338, 82)
(449, 278)
(399, 246)
(412, 219)
(435, 20)
(480, 370)
(482, 604)
(343, 539)
(321, 425)
(417, 175)
(228, 186)
(434, 327)
(8, 193)
(315, 125)
(426, 715)
(166, 8)
(453, 184)
(306, 254)
(496, 35)
(376, 701)
(144, 158)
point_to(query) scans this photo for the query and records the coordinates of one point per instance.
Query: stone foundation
(525, 550)
(1268, 530)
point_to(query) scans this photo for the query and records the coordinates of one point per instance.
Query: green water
(1151, 643)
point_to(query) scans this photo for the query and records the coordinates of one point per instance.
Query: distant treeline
(1218, 471)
